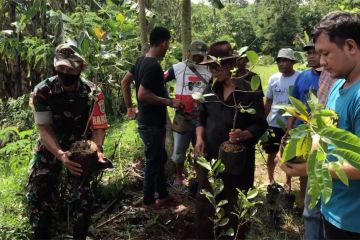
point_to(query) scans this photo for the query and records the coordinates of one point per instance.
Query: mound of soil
(84, 152)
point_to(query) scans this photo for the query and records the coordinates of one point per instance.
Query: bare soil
(125, 218)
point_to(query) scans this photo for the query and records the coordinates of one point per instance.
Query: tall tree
(185, 27)
(143, 26)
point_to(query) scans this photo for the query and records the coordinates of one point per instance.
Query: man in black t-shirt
(152, 101)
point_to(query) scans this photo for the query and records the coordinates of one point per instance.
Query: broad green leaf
(314, 190)
(294, 112)
(242, 51)
(198, 96)
(300, 131)
(326, 191)
(230, 232)
(303, 147)
(290, 150)
(313, 101)
(204, 163)
(306, 37)
(120, 18)
(255, 82)
(222, 203)
(252, 193)
(300, 107)
(251, 111)
(353, 158)
(223, 222)
(342, 138)
(208, 195)
(340, 172)
(252, 56)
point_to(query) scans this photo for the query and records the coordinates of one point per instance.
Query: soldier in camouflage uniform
(62, 108)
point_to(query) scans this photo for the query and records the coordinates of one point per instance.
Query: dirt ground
(124, 218)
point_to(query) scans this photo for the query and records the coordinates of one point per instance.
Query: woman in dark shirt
(216, 126)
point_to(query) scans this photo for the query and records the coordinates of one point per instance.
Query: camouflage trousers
(43, 197)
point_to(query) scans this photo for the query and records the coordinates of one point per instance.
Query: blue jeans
(312, 220)
(155, 154)
(181, 144)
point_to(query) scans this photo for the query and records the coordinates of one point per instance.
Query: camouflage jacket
(68, 112)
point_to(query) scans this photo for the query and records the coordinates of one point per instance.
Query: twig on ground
(111, 219)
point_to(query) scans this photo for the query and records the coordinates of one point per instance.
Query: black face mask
(68, 79)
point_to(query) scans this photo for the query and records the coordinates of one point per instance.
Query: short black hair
(159, 35)
(339, 26)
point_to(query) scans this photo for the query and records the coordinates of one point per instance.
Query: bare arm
(126, 89)
(200, 144)
(352, 172)
(268, 103)
(98, 136)
(148, 96)
(48, 137)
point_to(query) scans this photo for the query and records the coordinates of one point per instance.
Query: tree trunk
(185, 27)
(143, 26)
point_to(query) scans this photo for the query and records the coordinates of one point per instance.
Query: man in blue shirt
(337, 39)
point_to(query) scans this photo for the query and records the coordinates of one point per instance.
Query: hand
(73, 167)
(199, 147)
(176, 103)
(237, 135)
(294, 169)
(131, 113)
(101, 157)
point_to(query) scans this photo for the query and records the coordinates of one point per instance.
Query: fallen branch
(111, 219)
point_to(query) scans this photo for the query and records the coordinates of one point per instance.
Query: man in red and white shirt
(190, 78)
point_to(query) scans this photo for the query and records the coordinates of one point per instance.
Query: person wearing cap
(64, 106)
(190, 78)
(216, 126)
(306, 82)
(278, 93)
(152, 99)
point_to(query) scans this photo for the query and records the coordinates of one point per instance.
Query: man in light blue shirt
(337, 39)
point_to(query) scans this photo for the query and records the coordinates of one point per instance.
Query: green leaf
(326, 191)
(120, 18)
(255, 82)
(290, 150)
(252, 56)
(294, 112)
(300, 107)
(342, 138)
(242, 51)
(303, 147)
(230, 232)
(222, 203)
(353, 158)
(340, 172)
(223, 222)
(252, 193)
(313, 101)
(208, 195)
(314, 190)
(251, 111)
(204, 163)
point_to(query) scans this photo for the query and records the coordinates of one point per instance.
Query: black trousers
(332, 232)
